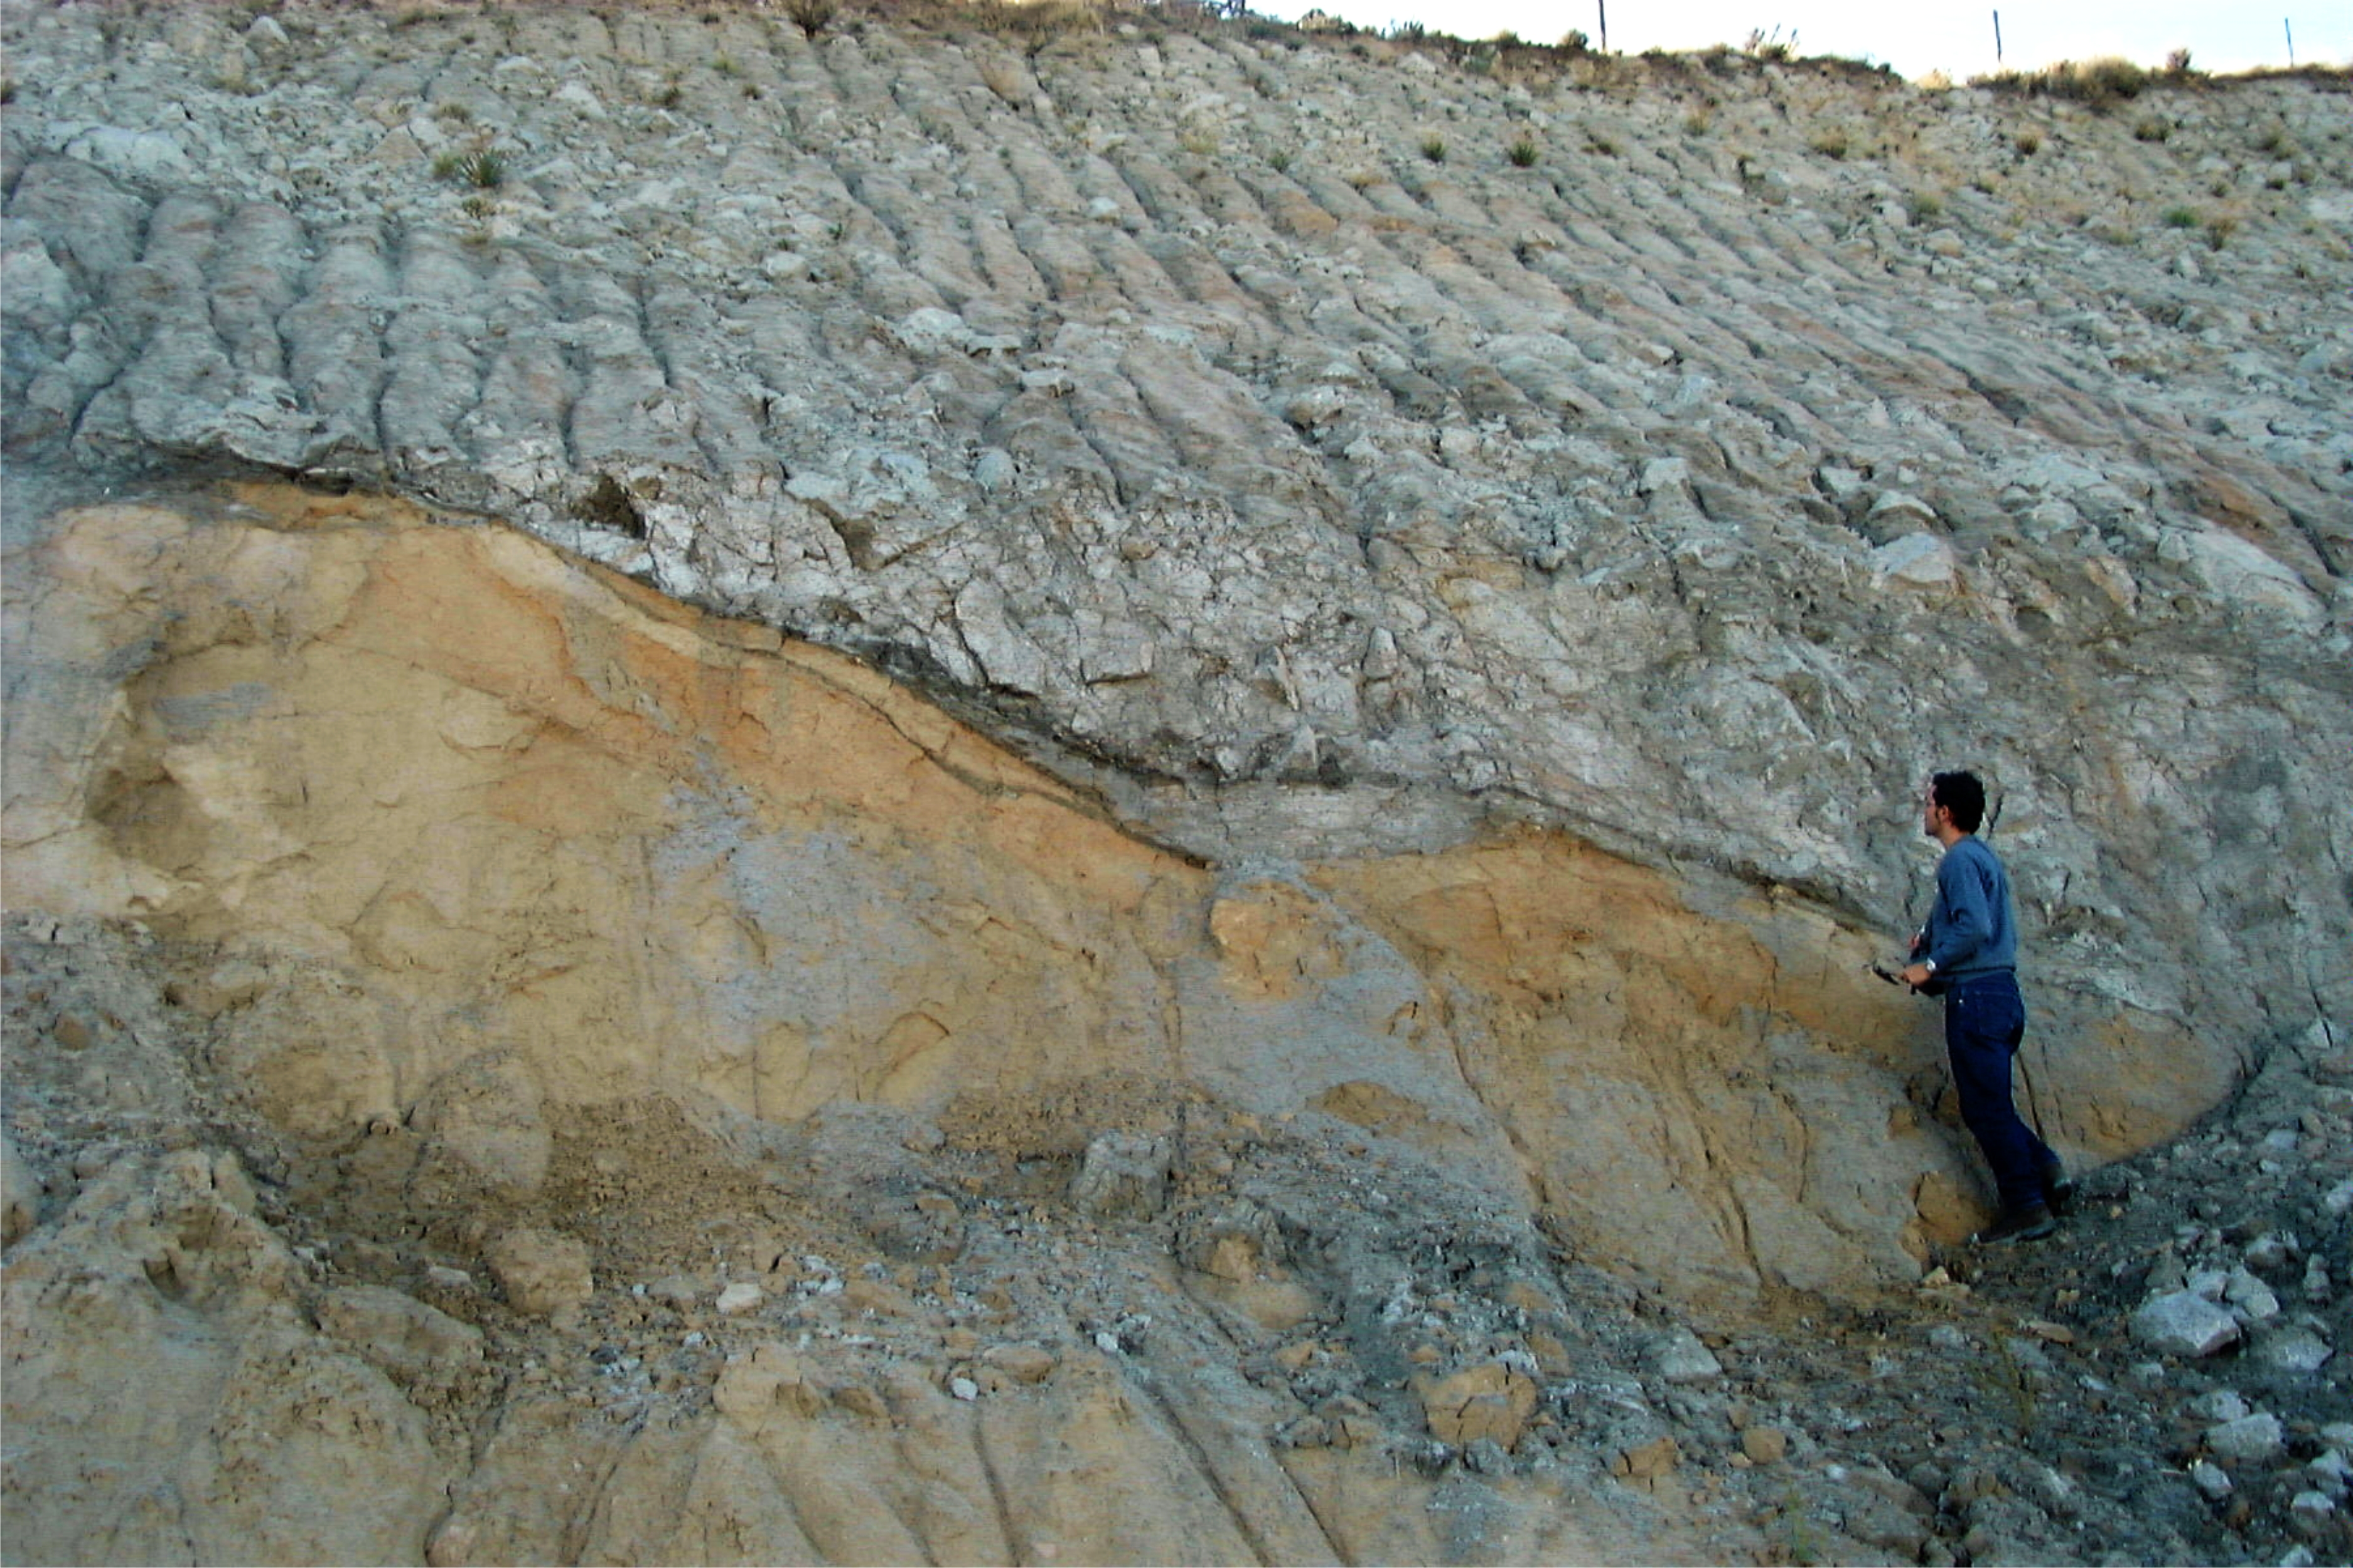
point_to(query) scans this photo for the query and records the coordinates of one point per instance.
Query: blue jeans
(1985, 1017)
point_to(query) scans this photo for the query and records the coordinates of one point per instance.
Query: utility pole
(2290, 30)
(1997, 38)
(1603, 7)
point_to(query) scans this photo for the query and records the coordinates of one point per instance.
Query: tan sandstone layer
(501, 807)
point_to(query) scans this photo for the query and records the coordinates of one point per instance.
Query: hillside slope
(862, 779)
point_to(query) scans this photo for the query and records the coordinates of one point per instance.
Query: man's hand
(1915, 976)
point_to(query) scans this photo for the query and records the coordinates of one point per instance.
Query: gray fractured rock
(2250, 1440)
(1122, 1174)
(1302, 514)
(2294, 1350)
(2184, 1323)
(1679, 1357)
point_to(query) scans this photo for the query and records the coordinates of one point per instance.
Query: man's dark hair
(1963, 796)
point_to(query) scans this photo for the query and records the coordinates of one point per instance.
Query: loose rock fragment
(2249, 1440)
(1648, 1461)
(1679, 1357)
(542, 1272)
(2184, 1323)
(1122, 1174)
(1488, 1401)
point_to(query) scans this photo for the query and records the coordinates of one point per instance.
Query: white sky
(1915, 37)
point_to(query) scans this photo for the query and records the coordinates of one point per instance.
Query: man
(1968, 953)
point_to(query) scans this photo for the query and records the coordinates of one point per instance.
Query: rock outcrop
(479, 831)
(1298, 663)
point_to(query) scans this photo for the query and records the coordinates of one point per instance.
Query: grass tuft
(2101, 83)
(811, 16)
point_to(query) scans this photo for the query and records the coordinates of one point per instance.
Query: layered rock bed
(1016, 784)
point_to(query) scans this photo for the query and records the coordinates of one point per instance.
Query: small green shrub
(2028, 143)
(1434, 149)
(725, 65)
(2099, 83)
(2152, 128)
(1924, 207)
(2219, 230)
(1278, 161)
(1523, 153)
(1039, 23)
(1831, 144)
(811, 16)
(483, 168)
(1596, 141)
(1575, 42)
(1698, 122)
(2179, 217)
(1765, 46)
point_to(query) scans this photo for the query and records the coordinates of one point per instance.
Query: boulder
(1678, 1356)
(2250, 1440)
(1122, 1174)
(2184, 1323)
(542, 1272)
(1488, 1401)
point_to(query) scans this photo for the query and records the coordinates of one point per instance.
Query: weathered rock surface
(1159, 400)
(970, 796)
(621, 848)
(2184, 1323)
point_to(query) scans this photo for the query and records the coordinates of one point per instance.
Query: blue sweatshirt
(1969, 930)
